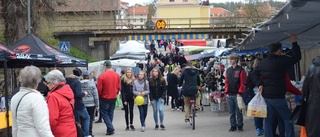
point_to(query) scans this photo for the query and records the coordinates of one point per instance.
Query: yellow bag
(3, 119)
(257, 107)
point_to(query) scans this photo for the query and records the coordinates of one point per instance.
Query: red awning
(192, 42)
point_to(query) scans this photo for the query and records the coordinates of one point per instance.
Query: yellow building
(183, 13)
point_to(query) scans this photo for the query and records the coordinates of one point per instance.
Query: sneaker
(110, 133)
(142, 129)
(240, 129)
(172, 109)
(186, 120)
(99, 121)
(178, 109)
(156, 127)
(258, 132)
(132, 127)
(162, 127)
(127, 128)
(232, 129)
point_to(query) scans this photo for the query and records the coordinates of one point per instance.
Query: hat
(77, 72)
(107, 63)
(86, 73)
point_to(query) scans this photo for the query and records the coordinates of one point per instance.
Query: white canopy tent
(97, 67)
(131, 49)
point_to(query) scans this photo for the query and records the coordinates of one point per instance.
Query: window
(141, 19)
(185, 0)
(171, 0)
(220, 15)
(211, 15)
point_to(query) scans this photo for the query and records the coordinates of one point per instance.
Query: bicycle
(192, 118)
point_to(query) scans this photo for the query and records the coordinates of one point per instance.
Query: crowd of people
(75, 98)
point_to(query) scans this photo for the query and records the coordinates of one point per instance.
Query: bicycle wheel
(193, 118)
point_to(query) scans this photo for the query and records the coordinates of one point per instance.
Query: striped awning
(167, 36)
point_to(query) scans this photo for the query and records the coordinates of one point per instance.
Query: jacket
(138, 86)
(235, 80)
(270, 72)
(311, 91)
(62, 119)
(32, 119)
(109, 85)
(92, 99)
(126, 91)
(75, 85)
(173, 83)
(158, 90)
(190, 80)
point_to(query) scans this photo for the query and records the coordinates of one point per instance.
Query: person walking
(173, 83)
(80, 110)
(157, 95)
(234, 87)
(108, 89)
(269, 75)
(61, 105)
(141, 88)
(127, 81)
(91, 101)
(30, 115)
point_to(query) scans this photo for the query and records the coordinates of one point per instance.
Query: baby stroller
(180, 99)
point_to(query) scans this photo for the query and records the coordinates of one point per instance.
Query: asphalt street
(208, 124)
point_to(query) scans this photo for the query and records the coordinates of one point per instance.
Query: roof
(88, 5)
(124, 3)
(143, 10)
(216, 11)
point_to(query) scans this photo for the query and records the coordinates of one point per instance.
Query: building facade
(137, 17)
(183, 13)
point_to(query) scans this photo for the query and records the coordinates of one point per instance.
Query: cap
(107, 63)
(86, 73)
(77, 72)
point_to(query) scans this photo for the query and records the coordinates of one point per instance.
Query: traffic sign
(161, 24)
(64, 46)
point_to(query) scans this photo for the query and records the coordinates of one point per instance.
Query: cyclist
(190, 80)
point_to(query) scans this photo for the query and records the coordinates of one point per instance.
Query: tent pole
(6, 95)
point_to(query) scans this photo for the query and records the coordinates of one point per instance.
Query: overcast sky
(132, 2)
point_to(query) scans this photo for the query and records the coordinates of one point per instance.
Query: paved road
(208, 124)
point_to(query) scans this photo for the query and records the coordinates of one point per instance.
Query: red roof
(144, 10)
(88, 5)
(124, 3)
(216, 11)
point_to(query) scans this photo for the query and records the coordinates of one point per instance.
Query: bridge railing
(142, 23)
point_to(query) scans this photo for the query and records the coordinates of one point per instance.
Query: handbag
(298, 116)
(80, 132)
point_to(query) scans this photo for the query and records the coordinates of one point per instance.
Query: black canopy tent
(34, 46)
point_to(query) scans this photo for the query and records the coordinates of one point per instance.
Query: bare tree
(14, 13)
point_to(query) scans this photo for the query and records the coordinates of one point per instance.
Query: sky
(132, 2)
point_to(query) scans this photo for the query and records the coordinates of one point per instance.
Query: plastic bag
(241, 104)
(257, 107)
(118, 102)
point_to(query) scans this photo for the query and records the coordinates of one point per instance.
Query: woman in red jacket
(61, 115)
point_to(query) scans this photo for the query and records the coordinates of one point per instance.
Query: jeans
(107, 110)
(280, 107)
(236, 117)
(128, 110)
(280, 124)
(91, 114)
(86, 119)
(258, 122)
(158, 107)
(143, 109)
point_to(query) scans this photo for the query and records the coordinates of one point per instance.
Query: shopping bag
(257, 107)
(241, 104)
(118, 102)
(298, 115)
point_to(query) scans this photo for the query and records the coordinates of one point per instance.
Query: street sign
(64, 46)
(161, 24)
